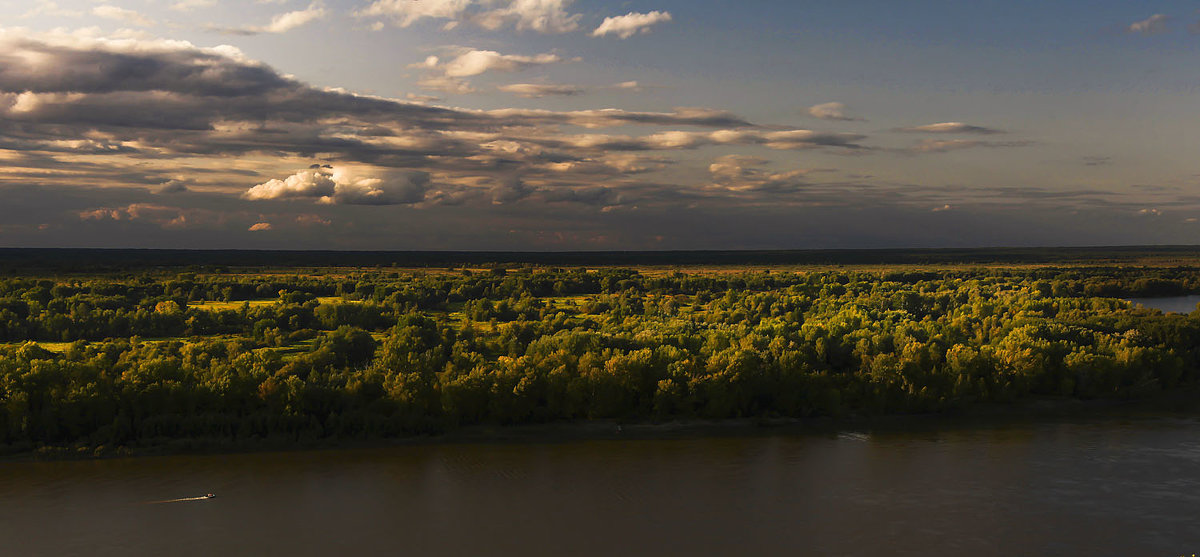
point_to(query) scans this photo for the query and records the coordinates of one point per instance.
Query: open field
(234, 305)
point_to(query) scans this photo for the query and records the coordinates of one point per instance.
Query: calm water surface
(1169, 304)
(1097, 487)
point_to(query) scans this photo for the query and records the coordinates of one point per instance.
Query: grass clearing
(234, 305)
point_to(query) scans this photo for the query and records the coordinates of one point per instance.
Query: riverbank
(1180, 404)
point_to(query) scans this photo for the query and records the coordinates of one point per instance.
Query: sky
(597, 125)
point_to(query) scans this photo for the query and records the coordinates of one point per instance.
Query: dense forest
(141, 357)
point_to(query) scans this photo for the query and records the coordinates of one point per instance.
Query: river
(1169, 304)
(1099, 486)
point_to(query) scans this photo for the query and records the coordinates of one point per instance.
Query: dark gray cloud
(66, 68)
(172, 186)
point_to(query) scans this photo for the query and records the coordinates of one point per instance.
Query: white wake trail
(201, 498)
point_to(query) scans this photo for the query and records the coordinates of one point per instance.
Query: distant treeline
(68, 260)
(141, 358)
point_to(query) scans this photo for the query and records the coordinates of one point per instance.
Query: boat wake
(182, 500)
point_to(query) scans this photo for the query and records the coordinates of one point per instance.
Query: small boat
(209, 495)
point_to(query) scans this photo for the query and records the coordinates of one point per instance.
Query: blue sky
(512, 124)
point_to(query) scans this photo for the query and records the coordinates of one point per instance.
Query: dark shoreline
(1178, 405)
(91, 260)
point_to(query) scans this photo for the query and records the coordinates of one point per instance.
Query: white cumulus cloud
(343, 185)
(476, 62)
(313, 182)
(625, 26)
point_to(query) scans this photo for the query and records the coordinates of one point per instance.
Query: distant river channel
(1169, 304)
(1088, 487)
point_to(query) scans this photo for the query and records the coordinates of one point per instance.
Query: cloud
(510, 189)
(950, 127)
(609, 117)
(79, 110)
(1156, 23)
(407, 12)
(281, 23)
(338, 185)
(310, 183)
(476, 62)
(542, 16)
(628, 25)
(830, 111)
(735, 166)
(50, 8)
(309, 219)
(172, 186)
(446, 76)
(947, 145)
(260, 227)
(806, 210)
(189, 5)
(742, 173)
(446, 84)
(539, 90)
(676, 139)
(108, 11)
(163, 216)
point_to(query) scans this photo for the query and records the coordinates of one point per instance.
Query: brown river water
(1101, 486)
